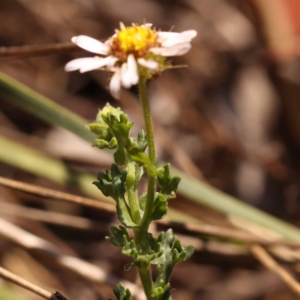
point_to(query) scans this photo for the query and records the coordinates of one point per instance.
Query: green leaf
(124, 215)
(167, 183)
(164, 262)
(101, 130)
(180, 253)
(112, 184)
(172, 252)
(140, 157)
(129, 248)
(142, 141)
(121, 293)
(119, 236)
(142, 202)
(160, 207)
(101, 144)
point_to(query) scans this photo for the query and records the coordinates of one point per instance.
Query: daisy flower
(132, 52)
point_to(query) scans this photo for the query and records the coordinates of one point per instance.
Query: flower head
(132, 52)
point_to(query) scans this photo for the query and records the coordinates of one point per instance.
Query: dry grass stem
(263, 256)
(51, 217)
(24, 283)
(227, 233)
(48, 193)
(37, 50)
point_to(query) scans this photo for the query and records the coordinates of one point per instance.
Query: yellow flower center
(135, 39)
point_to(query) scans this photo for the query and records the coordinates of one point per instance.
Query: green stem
(132, 192)
(140, 232)
(146, 279)
(152, 155)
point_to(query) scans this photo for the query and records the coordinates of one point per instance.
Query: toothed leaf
(121, 293)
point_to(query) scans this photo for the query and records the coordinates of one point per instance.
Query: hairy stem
(140, 232)
(146, 279)
(152, 155)
(132, 194)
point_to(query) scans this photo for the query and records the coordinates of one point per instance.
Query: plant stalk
(140, 232)
(152, 155)
(132, 195)
(146, 279)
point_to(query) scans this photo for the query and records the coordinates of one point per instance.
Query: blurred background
(231, 119)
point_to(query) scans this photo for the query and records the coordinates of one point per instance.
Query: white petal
(163, 35)
(125, 79)
(172, 51)
(111, 60)
(132, 71)
(149, 64)
(115, 84)
(190, 34)
(84, 64)
(88, 63)
(183, 37)
(101, 62)
(90, 44)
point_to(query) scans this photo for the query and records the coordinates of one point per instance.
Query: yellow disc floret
(135, 39)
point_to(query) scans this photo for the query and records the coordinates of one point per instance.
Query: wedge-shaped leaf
(160, 207)
(165, 261)
(112, 184)
(142, 141)
(167, 183)
(129, 248)
(171, 253)
(102, 131)
(180, 253)
(119, 236)
(142, 202)
(121, 293)
(137, 155)
(123, 213)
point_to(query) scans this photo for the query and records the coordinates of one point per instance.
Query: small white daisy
(131, 52)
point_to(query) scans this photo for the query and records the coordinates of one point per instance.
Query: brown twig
(48, 193)
(262, 255)
(37, 50)
(9, 276)
(52, 217)
(24, 283)
(227, 233)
